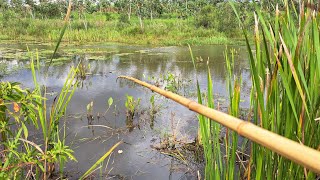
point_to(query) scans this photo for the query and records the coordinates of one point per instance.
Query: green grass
(31, 111)
(285, 71)
(96, 29)
(219, 149)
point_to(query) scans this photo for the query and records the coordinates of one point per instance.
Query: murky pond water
(92, 137)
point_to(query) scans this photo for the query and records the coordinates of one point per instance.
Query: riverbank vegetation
(285, 97)
(135, 22)
(25, 115)
(283, 59)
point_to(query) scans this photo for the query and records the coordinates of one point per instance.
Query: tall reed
(210, 134)
(231, 137)
(285, 69)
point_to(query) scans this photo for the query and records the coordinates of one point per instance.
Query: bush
(132, 30)
(220, 17)
(49, 10)
(38, 29)
(124, 18)
(108, 16)
(206, 17)
(8, 16)
(226, 20)
(123, 22)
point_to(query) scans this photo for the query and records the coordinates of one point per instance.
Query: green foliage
(123, 18)
(172, 82)
(206, 17)
(164, 23)
(131, 105)
(92, 168)
(208, 134)
(219, 17)
(22, 110)
(8, 16)
(108, 16)
(153, 108)
(285, 94)
(152, 101)
(16, 103)
(231, 137)
(110, 102)
(90, 108)
(50, 10)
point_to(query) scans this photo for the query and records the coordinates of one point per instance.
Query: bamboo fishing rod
(299, 153)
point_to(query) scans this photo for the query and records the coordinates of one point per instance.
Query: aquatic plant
(83, 71)
(153, 108)
(210, 135)
(231, 137)
(109, 104)
(99, 161)
(285, 71)
(274, 142)
(90, 111)
(131, 105)
(23, 156)
(172, 82)
(212, 155)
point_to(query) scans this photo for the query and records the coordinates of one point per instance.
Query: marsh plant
(172, 82)
(220, 157)
(285, 71)
(285, 99)
(153, 108)
(108, 106)
(90, 111)
(83, 71)
(22, 110)
(132, 106)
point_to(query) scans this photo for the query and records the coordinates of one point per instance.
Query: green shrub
(219, 17)
(206, 17)
(123, 18)
(108, 16)
(7, 17)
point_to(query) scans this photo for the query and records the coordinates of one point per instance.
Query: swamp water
(91, 134)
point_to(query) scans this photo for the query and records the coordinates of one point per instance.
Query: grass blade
(100, 160)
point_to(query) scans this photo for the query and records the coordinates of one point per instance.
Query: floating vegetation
(143, 51)
(123, 54)
(98, 58)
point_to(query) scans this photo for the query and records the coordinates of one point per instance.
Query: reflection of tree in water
(125, 83)
(155, 63)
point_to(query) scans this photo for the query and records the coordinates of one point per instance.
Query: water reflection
(100, 83)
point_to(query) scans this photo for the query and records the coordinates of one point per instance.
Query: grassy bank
(98, 28)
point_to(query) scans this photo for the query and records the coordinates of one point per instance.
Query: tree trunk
(186, 6)
(141, 23)
(129, 13)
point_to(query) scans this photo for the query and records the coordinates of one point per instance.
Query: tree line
(208, 14)
(141, 8)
